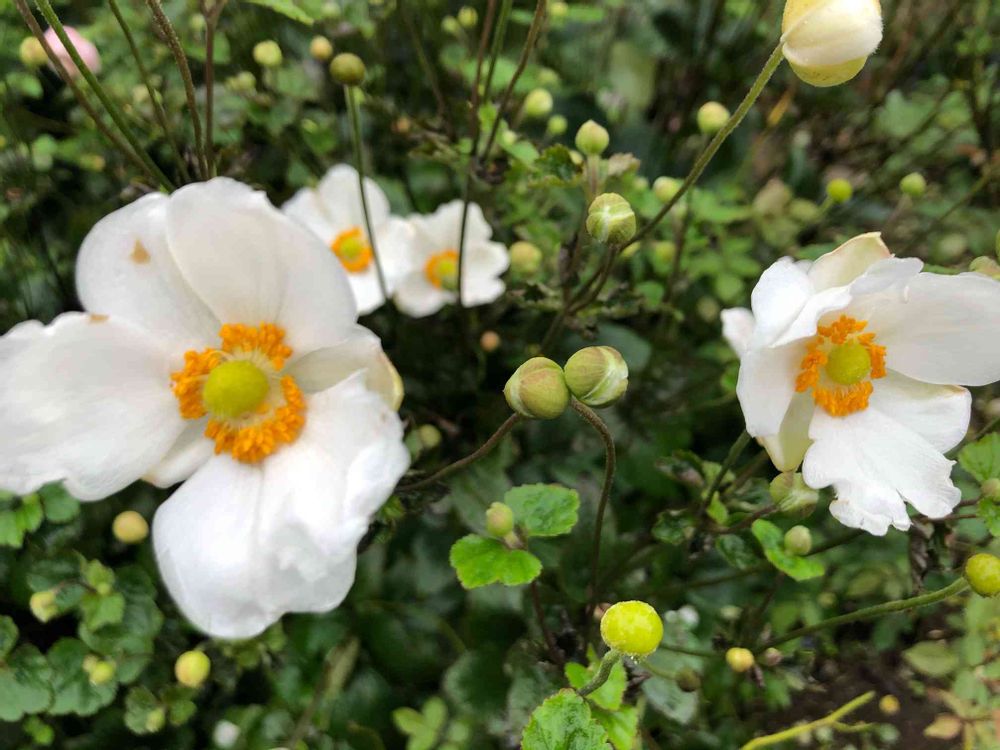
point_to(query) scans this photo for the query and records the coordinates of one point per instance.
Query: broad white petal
(394, 241)
(833, 32)
(125, 270)
(842, 266)
(766, 386)
(938, 413)
(340, 197)
(943, 329)
(366, 289)
(789, 446)
(737, 328)
(188, 453)
(782, 292)
(305, 208)
(87, 400)
(417, 297)
(240, 545)
(442, 230)
(252, 264)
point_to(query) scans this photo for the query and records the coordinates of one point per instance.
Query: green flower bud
(597, 375)
(499, 520)
(772, 657)
(986, 266)
(804, 211)
(611, 219)
(688, 680)
(592, 139)
(321, 48)
(952, 247)
(982, 571)
(798, 541)
(991, 488)
(537, 389)
(450, 26)
(556, 125)
(707, 308)
(547, 77)
(101, 672)
(429, 435)
(739, 659)
(43, 605)
(793, 496)
(913, 185)
(889, 705)
(32, 53)
(197, 23)
(155, 720)
(267, 54)
(665, 188)
(525, 258)
(489, 341)
(468, 17)
(712, 117)
(664, 251)
(243, 82)
(348, 69)
(191, 668)
(558, 10)
(537, 104)
(839, 190)
(129, 527)
(634, 628)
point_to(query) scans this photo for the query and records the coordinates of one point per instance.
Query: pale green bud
(243, 82)
(558, 10)
(197, 23)
(986, 266)
(712, 117)
(321, 48)
(525, 258)
(129, 527)
(429, 435)
(556, 125)
(101, 672)
(597, 375)
(798, 541)
(772, 657)
(793, 496)
(468, 17)
(982, 571)
(537, 389)
(537, 104)
(267, 54)
(155, 720)
(913, 185)
(192, 668)
(347, 69)
(707, 308)
(450, 26)
(739, 659)
(592, 139)
(32, 53)
(43, 605)
(839, 190)
(499, 520)
(991, 488)
(611, 219)
(664, 251)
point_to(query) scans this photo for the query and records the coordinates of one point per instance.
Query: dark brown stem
(550, 642)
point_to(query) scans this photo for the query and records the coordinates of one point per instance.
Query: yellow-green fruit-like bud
(489, 341)
(991, 489)
(155, 720)
(267, 54)
(712, 117)
(499, 520)
(197, 23)
(611, 219)
(129, 527)
(839, 190)
(556, 125)
(430, 436)
(32, 53)
(450, 26)
(525, 258)
(537, 104)
(793, 496)
(537, 389)
(321, 48)
(688, 680)
(597, 375)
(43, 605)
(592, 139)
(558, 10)
(634, 628)
(739, 659)
(665, 188)
(468, 17)
(828, 41)
(982, 571)
(889, 705)
(664, 251)
(772, 657)
(101, 672)
(985, 266)
(191, 668)
(798, 541)
(347, 69)
(242, 83)
(913, 185)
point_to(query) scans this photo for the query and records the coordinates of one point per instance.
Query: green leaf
(26, 517)
(544, 509)
(99, 611)
(773, 542)
(564, 722)
(555, 166)
(932, 658)
(58, 504)
(607, 696)
(141, 708)
(982, 458)
(673, 528)
(989, 512)
(73, 693)
(622, 726)
(736, 551)
(286, 8)
(479, 562)
(8, 636)
(24, 684)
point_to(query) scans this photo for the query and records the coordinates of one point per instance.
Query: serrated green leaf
(564, 722)
(58, 504)
(286, 8)
(139, 704)
(479, 561)
(24, 684)
(773, 542)
(736, 551)
(99, 611)
(989, 512)
(544, 509)
(622, 726)
(982, 458)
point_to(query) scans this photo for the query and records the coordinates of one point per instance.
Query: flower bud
(982, 571)
(739, 659)
(986, 266)
(592, 139)
(191, 668)
(129, 527)
(489, 341)
(634, 628)
(429, 436)
(991, 489)
(798, 541)
(558, 10)
(913, 185)
(665, 188)
(155, 720)
(243, 82)
(43, 605)
(468, 17)
(348, 69)
(537, 104)
(611, 219)
(100, 671)
(597, 375)
(321, 48)
(688, 680)
(499, 520)
(537, 389)
(556, 125)
(889, 705)
(32, 53)
(197, 23)
(827, 43)
(664, 251)
(772, 657)
(839, 190)
(708, 309)
(449, 25)
(525, 258)
(793, 496)
(267, 54)
(712, 117)
(84, 47)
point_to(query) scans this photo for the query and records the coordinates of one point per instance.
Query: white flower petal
(737, 329)
(766, 386)
(340, 197)
(943, 329)
(875, 463)
(189, 452)
(418, 298)
(776, 301)
(240, 545)
(306, 209)
(366, 289)
(832, 32)
(251, 264)
(938, 413)
(789, 446)
(125, 270)
(87, 400)
(842, 266)
(442, 230)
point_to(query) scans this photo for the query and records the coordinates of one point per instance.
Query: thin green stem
(211, 22)
(734, 452)
(354, 115)
(831, 720)
(706, 156)
(498, 39)
(608, 663)
(900, 605)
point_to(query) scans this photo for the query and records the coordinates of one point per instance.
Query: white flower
(220, 349)
(828, 41)
(333, 211)
(432, 280)
(849, 365)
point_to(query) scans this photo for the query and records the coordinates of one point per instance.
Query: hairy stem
(603, 672)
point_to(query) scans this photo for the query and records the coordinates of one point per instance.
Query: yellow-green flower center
(441, 270)
(848, 363)
(235, 388)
